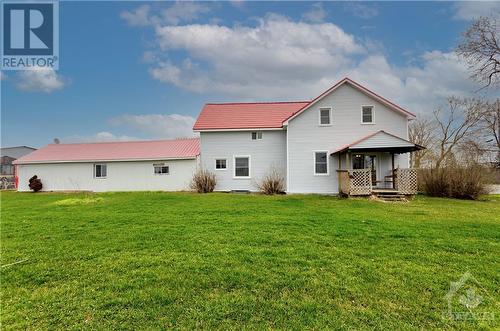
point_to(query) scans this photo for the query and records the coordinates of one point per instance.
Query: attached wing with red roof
(115, 151)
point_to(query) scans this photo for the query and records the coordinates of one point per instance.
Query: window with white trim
(325, 115)
(320, 163)
(220, 164)
(161, 169)
(256, 135)
(367, 114)
(100, 170)
(241, 166)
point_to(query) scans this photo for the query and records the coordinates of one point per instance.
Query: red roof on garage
(115, 151)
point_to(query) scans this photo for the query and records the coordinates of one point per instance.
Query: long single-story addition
(162, 165)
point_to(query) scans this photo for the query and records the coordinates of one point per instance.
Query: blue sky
(139, 70)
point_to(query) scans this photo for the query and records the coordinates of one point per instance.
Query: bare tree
(421, 132)
(491, 126)
(480, 47)
(458, 124)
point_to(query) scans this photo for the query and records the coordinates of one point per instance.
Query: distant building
(9, 154)
(16, 152)
(7, 169)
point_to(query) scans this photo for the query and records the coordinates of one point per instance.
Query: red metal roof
(246, 115)
(115, 151)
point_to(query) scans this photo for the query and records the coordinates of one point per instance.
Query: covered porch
(376, 164)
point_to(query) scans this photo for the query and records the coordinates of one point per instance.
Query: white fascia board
(109, 160)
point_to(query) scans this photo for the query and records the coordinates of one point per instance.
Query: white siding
(121, 176)
(305, 135)
(265, 154)
(381, 140)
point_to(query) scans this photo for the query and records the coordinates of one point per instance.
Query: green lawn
(162, 260)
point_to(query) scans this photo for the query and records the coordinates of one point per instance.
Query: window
(367, 114)
(320, 163)
(100, 170)
(325, 116)
(257, 135)
(161, 169)
(220, 164)
(241, 166)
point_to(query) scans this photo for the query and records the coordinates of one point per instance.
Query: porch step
(391, 197)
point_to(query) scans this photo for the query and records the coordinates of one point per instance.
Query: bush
(272, 183)
(455, 182)
(35, 183)
(204, 181)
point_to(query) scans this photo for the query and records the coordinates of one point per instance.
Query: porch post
(393, 173)
(339, 156)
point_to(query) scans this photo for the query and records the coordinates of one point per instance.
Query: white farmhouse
(347, 140)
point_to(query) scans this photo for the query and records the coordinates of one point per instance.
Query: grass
(163, 260)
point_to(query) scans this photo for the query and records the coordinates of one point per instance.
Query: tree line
(466, 129)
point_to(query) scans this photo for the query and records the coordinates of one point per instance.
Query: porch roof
(379, 141)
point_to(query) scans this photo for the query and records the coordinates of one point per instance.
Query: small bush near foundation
(35, 183)
(204, 181)
(455, 182)
(272, 183)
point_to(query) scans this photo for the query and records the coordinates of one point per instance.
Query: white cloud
(180, 11)
(316, 14)
(360, 10)
(149, 57)
(468, 10)
(103, 136)
(280, 59)
(40, 80)
(265, 60)
(184, 11)
(138, 17)
(420, 88)
(158, 125)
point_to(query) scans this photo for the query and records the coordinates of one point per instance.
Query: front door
(366, 161)
(371, 163)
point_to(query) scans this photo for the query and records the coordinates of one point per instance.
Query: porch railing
(355, 182)
(406, 181)
(359, 181)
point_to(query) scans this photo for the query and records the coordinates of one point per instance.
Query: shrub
(272, 183)
(35, 183)
(204, 181)
(455, 182)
